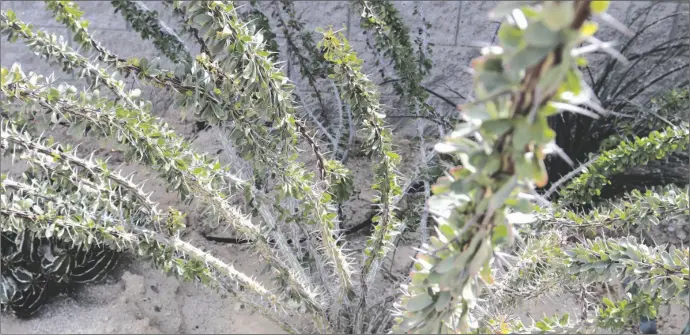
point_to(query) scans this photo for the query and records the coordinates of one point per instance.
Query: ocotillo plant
(67, 217)
(532, 74)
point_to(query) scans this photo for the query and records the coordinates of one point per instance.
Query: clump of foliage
(651, 57)
(498, 241)
(673, 139)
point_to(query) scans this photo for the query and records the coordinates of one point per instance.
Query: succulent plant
(35, 268)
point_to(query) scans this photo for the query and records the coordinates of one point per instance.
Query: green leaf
(53, 94)
(669, 290)
(419, 302)
(482, 256)
(573, 82)
(248, 72)
(447, 231)
(11, 15)
(496, 127)
(527, 57)
(522, 135)
(144, 64)
(499, 198)
(499, 234)
(538, 35)
(510, 36)
(226, 32)
(557, 16)
(540, 175)
(445, 265)
(542, 325)
(467, 291)
(218, 47)
(563, 321)
(202, 19)
(608, 302)
(442, 301)
(486, 275)
(494, 82)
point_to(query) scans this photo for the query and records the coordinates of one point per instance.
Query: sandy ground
(139, 299)
(146, 301)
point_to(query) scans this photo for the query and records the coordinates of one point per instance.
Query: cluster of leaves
(667, 109)
(547, 325)
(617, 315)
(303, 51)
(98, 215)
(646, 64)
(655, 146)
(261, 25)
(201, 86)
(252, 138)
(518, 84)
(539, 269)
(81, 201)
(671, 104)
(548, 264)
(544, 265)
(361, 94)
(148, 140)
(652, 270)
(392, 38)
(634, 212)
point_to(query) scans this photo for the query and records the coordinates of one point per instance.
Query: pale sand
(146, 301)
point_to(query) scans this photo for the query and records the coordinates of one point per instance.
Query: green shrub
(68, 215)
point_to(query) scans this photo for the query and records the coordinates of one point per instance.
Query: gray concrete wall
(459, 27)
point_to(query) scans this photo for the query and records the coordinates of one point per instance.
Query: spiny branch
(627, 154)
(504, 160)
(185, 171)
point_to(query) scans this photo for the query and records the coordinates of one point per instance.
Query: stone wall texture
(459, 29)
